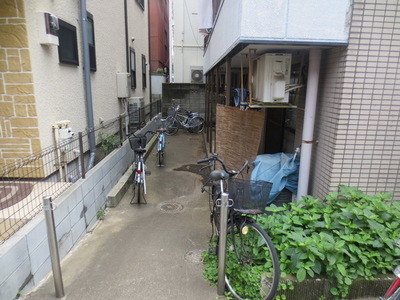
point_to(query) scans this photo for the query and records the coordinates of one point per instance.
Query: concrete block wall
(25, 258)
(190, 95)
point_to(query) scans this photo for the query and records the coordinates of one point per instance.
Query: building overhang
(269, 25)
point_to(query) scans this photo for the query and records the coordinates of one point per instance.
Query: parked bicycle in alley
(182, 118)
(248, 264)
(138, 144)
(161, 143)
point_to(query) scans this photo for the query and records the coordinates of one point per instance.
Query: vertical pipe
(128, 69)
(222, 243)
(82, 155)
(52, 239)
(88, 85)
(309, 121)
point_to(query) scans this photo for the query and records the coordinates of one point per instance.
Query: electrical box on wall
(48, 28)
(271, 77)
(123, 85)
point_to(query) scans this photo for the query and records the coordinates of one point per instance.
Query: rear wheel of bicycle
(252, 265)
(171, 126)
(137, 187)
(196, 125)
(160, 157)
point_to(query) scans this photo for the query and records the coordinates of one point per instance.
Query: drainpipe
(309, 121)
(88, 87)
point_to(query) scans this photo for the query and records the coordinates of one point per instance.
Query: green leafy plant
(101, 213)
(109, 142)
(347, 235)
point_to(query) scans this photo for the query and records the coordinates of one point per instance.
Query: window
(133, 68)
(141, 3)
(67, 44)
(144, 71)
(92, 48)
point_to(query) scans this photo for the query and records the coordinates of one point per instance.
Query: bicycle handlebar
(140, 134)
(214, 157)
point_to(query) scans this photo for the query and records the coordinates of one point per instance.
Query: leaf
(317, 267)
(334, 291)
(342, 269)
(331, 258)
(348, 281)
(301, 274)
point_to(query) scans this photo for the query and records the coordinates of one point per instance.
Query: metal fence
(51, 171)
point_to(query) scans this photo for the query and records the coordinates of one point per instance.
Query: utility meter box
(123, 85)
(271, 76)
(48, 28)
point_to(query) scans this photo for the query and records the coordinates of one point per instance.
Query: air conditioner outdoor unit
(271, 77)
(136, 110)
(196, 74)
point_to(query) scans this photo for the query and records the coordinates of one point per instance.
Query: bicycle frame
(179, 119)
(184, 119)
(138, 142)
(160, 146)
(241, 241)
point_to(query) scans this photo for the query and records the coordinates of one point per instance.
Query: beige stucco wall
(187, 41)
(36, 90)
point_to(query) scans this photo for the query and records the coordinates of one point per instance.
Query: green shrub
(345, 236)
(109, 142)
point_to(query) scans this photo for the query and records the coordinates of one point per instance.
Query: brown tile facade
(19, 133)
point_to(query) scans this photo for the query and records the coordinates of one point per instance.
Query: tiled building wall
(359, 105)
(19, 134)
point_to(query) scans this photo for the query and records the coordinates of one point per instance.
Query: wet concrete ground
(148, 251)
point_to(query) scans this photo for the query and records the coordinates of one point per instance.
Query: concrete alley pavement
(147, 251)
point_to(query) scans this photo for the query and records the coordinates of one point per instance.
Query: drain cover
(171, 207)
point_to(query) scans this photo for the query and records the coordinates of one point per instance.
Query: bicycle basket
(161, 123)
(249, 196)
(171, 111)
(137, 142)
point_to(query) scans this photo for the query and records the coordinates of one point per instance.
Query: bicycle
(393, 292)
(252, 264)
(138, 144)
(178, 118)
(160, 141)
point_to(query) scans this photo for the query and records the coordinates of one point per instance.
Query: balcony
(270, 25)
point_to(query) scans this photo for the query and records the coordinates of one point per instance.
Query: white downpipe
(309, 121)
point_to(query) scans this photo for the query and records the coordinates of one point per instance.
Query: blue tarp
(237, 96)
(281, 169)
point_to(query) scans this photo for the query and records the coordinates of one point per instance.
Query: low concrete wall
(25, 258)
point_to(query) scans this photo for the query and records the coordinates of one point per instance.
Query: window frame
(132, 63)
(65, 26)
(144, 67)
(141, 3)
(92, 46)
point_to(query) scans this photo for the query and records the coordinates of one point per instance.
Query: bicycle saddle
(218, 175)
(140, 150)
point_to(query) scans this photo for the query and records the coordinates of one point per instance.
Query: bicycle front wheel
(252, 265)
(171, 126)
(196, 125)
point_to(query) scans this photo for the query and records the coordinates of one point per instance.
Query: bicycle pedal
(212, 250)
(147, 173)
